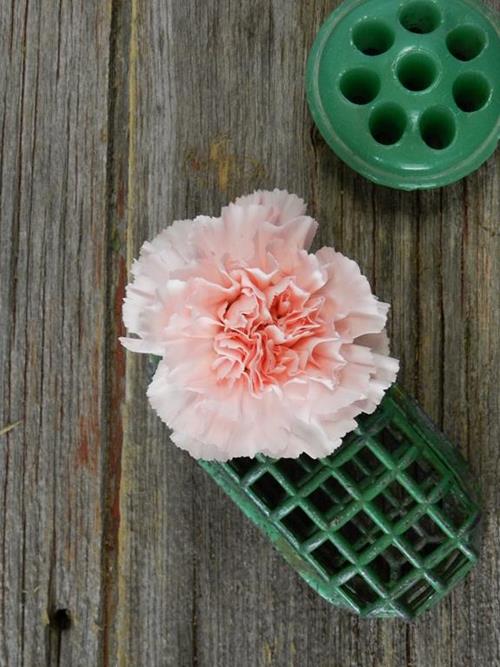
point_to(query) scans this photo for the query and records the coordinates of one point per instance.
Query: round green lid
(407, 93)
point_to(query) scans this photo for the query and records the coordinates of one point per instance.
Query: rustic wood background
(116, 549)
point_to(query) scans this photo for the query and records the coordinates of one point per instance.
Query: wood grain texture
(117, 118)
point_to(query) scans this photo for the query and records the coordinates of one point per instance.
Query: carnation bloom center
(265, 330)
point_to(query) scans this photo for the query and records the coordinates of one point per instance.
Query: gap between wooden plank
(119, 177)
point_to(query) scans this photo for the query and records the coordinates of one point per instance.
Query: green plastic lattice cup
(407, 93)
(385, 526)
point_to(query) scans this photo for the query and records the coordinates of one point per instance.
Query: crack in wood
(116, 220)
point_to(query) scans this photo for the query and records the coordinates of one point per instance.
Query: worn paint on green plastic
(408, 93)
(385, 526)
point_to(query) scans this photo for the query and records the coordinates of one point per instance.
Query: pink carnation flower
(264, 347)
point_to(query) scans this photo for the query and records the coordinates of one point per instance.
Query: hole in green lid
(437, 127)
(388, 123)
(416, 71)
(372, 37)
(420, 17)
(466, 42)
(471, 91)
(360, 86)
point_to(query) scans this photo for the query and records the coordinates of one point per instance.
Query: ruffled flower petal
(285, 206)
(265, 347)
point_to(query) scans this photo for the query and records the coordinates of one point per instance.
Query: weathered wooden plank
(53, 115)
(151, 621)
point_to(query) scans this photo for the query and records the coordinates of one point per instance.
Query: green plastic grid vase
(385, 526)
(408, 93)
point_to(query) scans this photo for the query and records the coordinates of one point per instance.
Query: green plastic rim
(407, 93)
(386, 526)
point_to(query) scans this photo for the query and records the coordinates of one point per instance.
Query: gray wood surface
(116, 118)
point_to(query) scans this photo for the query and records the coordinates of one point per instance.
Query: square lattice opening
(416, 596)
(242, 465)
(293, 471)
(269, 490)
(329, 557)
(359, 591)
(299, 524)
(360, 531)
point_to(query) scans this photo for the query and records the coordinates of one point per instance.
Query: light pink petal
(147, 313)
(172, 248)
(348, 296)
(299, 231)
(385, 375)
(142, 346)
(287, 206)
